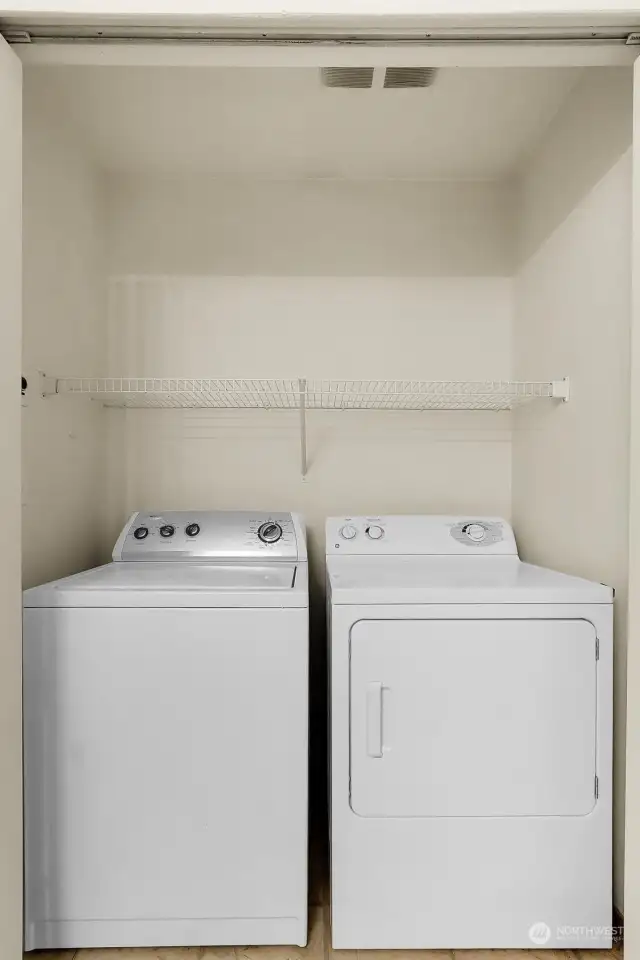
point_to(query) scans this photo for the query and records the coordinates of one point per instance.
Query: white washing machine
(471, 740)
(166, 738)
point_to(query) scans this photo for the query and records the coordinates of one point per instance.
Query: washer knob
(167, 530)
(375, 532)
(192, 529)
(141, 532)
(475, 532)
(348, 532)
(270, 532)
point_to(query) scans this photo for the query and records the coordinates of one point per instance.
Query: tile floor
(318, 948)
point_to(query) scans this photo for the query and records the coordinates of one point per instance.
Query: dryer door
(459, 718)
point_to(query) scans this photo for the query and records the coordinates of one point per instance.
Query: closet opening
(419, 268)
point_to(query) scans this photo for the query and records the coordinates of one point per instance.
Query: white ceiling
(282, 123)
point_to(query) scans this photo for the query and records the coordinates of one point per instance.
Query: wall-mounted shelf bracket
(303, 427)
(48, 385)
(561, 389)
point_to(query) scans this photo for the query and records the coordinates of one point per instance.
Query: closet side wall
(11, 846)
(64, 333)
(212, 278)
(572, 317)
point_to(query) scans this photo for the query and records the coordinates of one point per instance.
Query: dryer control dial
(375, 532)
(348, 532)
(475, 531)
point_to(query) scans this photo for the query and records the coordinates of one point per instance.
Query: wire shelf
(149, 392)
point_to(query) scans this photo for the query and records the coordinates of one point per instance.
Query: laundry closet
(328, 278)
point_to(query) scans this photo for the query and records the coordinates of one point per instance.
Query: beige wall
(64, 333)
(632, 847)
(572, 308)
(10, 607)
(308, 16)
(317, 279)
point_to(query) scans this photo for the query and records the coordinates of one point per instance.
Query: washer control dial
(141, 532)
(167, 530)
(375, 532)
(270, 532)
(475, 531)
(192, 529)
(348, 532)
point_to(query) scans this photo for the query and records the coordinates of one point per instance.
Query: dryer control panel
(425, 535)
(176, 535)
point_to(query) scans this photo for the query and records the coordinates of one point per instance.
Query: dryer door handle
(374, 718)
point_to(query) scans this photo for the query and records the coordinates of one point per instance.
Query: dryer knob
(374, 532)
(475, 532)
(348, 532)
(167, 530)
(141, 532)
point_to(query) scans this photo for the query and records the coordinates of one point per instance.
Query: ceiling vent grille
(391, 78)
(397, 78)
(357, 78)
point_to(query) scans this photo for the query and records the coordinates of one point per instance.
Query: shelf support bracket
(48, 385)
(302, 388)
(561, 389)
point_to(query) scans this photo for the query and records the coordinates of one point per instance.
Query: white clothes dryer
(166, 738)
(471, 740)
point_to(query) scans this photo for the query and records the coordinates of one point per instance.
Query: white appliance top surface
(150, 584)
(410, 579)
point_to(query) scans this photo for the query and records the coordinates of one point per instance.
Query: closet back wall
(315, 278)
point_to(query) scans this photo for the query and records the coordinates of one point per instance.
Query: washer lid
(389, 580)
(177, 585)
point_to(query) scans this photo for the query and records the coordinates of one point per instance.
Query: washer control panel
(428, 535)
(207, 535)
